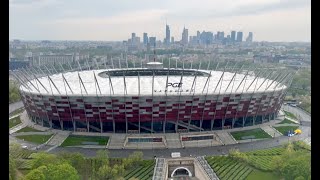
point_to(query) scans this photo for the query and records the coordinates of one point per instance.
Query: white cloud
(124, 18)
(109, 20)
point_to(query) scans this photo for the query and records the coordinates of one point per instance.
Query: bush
(14, 94)
(237, 155)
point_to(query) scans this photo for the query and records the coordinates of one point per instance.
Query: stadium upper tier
(144, 81)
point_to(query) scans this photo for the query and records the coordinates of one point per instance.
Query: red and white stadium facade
(153, 99)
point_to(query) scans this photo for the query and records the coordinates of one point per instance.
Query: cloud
(31, 4)
(239, 8)
(124, 18)
(111, 20)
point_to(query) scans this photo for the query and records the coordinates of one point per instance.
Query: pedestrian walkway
(291, 119)
(58, 138)
(116, 141)
(226, 138)
(271, 131)
(173, 140)
(308, 140)
(21, 125)
(159, 169)
(207, 168)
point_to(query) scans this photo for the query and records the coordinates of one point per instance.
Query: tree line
(73, 166)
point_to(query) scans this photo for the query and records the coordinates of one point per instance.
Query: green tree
(237, 155)
(78, 161)
(62, 172)
(106, 172)
(43, 158)
(101, 159)
(53, 172)
(35, 174)
(292, 164)
(299, 178)
(14, 94)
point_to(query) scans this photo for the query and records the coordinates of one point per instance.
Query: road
(15, 106)
(203, 151)
(299, 113)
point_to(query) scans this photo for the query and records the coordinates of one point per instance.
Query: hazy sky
(269, 20)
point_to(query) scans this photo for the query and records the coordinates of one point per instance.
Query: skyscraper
(145, 38)
(167, 35)
(220, 35)
(250, 37)
(133, 35)
(184, 36)
(233, 36)
(239, 36)
(152, 41)
(172, 39)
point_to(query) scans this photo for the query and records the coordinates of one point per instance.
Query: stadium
(153, 99)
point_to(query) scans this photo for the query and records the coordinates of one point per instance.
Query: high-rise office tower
(133, 35)
(145, 38)
(233, 36)
(152, 41)
(239, 36)
(172, 39)
(250, 37)
(221, 35)
(167, 35)
(185, 36)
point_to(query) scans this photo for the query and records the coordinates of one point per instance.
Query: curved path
(195, 151)
(15, 106)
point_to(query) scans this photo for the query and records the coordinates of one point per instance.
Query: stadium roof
(154, 82)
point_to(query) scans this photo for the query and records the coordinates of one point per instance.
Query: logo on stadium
(174, 85)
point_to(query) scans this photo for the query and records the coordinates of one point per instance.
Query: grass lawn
(81, 140)
(287, 121)
(257, 174)
(18, 111)
(255, 133)
(38, 139)
(285, 129)
(15, 121)
(28, 129)
(289, 114)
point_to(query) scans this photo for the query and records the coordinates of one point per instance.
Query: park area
(284, 129)
(73, 140)
(287, 121)
(14, 121)
(28, 129)
(36, 138)
(290, 161)
(257, 133)
(290, 115)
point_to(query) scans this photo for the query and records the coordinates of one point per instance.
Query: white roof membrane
(131, 84)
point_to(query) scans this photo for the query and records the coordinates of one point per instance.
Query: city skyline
(54, 20)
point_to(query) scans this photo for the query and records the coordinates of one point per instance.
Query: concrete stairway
(225, 137)
(271, 131)
(116, 141)
(58, 138)
(173, 140)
